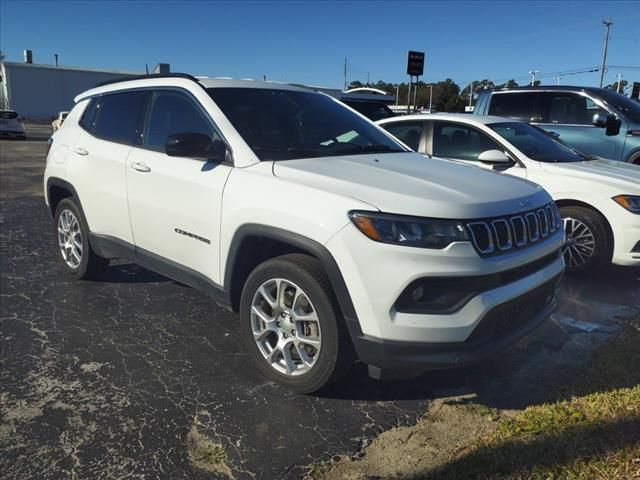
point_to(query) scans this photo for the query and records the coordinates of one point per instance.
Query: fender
(307, 245)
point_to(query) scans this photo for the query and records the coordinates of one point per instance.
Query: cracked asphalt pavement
(105, 379)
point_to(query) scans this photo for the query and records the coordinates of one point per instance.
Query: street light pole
(607, 24)
(470, 93)
(557, 79)
(619, 80)
(533, 76)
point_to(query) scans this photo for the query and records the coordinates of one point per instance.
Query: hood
(409, 183)
(620, 177)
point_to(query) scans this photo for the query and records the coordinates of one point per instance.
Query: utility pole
(607, 24)
(397, 94)
(345, 74)
(367, 79)
(619, 80)
(533, 76)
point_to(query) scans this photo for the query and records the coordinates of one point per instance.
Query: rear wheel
(72, 239)
(291, 324)
(586, 241)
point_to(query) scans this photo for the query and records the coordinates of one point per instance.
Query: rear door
(175, 203)
(410, 133)
(97, 158)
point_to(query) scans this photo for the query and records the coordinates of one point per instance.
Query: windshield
(285, 124)
(629, 108)
(535, 143)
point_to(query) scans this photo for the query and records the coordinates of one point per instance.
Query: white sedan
(11, 125)
(599, 199)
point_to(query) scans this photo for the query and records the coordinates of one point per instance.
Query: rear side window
(115, 117)
(407, 132)
(515, 105)
(8, 115)
(171, 113)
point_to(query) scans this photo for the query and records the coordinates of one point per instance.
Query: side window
(407, 132)
(521, 106)
(571, 109)
(171, 113)
(461, 142)
(117, 116)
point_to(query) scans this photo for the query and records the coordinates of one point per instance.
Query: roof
(454, 117)
(182, 79)
(544, 88)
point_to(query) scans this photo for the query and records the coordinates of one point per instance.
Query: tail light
(49, 143)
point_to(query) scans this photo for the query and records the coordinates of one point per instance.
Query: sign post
(415, 68)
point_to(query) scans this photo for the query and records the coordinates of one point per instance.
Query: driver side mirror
(607, 121)
(494, 157)
(195, 145)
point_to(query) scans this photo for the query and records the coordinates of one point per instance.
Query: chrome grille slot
(543, 222)
(551, 218)
(497, 235)
(482, 238)
(519, 230)
(532, 226)
(502, 233)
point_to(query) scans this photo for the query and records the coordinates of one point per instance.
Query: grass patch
(593, 434)
(207, 455)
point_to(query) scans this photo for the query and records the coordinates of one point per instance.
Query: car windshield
(8, 115)
(285, 124)
(629, 108)
(536, 143)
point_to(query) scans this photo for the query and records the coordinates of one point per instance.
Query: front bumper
(626, 233)
(12, 134)
(502, 326)
(377, 274)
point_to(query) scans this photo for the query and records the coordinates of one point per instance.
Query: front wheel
(291, 324)
(587, 244)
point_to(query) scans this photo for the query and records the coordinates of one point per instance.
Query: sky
(307, 42)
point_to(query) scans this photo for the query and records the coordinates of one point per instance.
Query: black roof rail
(144, 77)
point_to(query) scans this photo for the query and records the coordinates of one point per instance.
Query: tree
(509, 84)
(614, 86)
(478, 86)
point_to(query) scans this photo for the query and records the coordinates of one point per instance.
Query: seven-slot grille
(503, 234)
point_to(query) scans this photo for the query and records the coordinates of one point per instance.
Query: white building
(39, 92)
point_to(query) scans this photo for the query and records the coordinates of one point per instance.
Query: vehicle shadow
(132, 273)
(547, 451)
(537, 369)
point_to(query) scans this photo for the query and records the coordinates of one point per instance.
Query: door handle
(140, 167)
(81, 151)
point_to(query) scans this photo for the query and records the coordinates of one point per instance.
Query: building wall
(39, 92)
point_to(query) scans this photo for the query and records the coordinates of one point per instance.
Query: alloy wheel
(579, 242)
(285, 327)
(70, 238)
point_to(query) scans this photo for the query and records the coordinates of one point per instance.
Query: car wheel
(72, 240)
(292, 326)
(587, 244)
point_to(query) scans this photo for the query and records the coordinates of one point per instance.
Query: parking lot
(106, 379)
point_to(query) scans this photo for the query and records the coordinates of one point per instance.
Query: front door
(175, 202)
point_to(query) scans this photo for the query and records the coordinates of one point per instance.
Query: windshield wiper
(366, 149)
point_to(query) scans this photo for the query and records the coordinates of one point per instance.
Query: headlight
(409, 231)
(630, 202)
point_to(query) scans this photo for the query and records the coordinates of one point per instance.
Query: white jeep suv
(329, 237)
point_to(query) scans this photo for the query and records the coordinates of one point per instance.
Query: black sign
(635, 91)
(415, 64)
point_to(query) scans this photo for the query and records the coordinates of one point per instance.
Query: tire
(282, 278)
(587, 243)
(78, 258)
